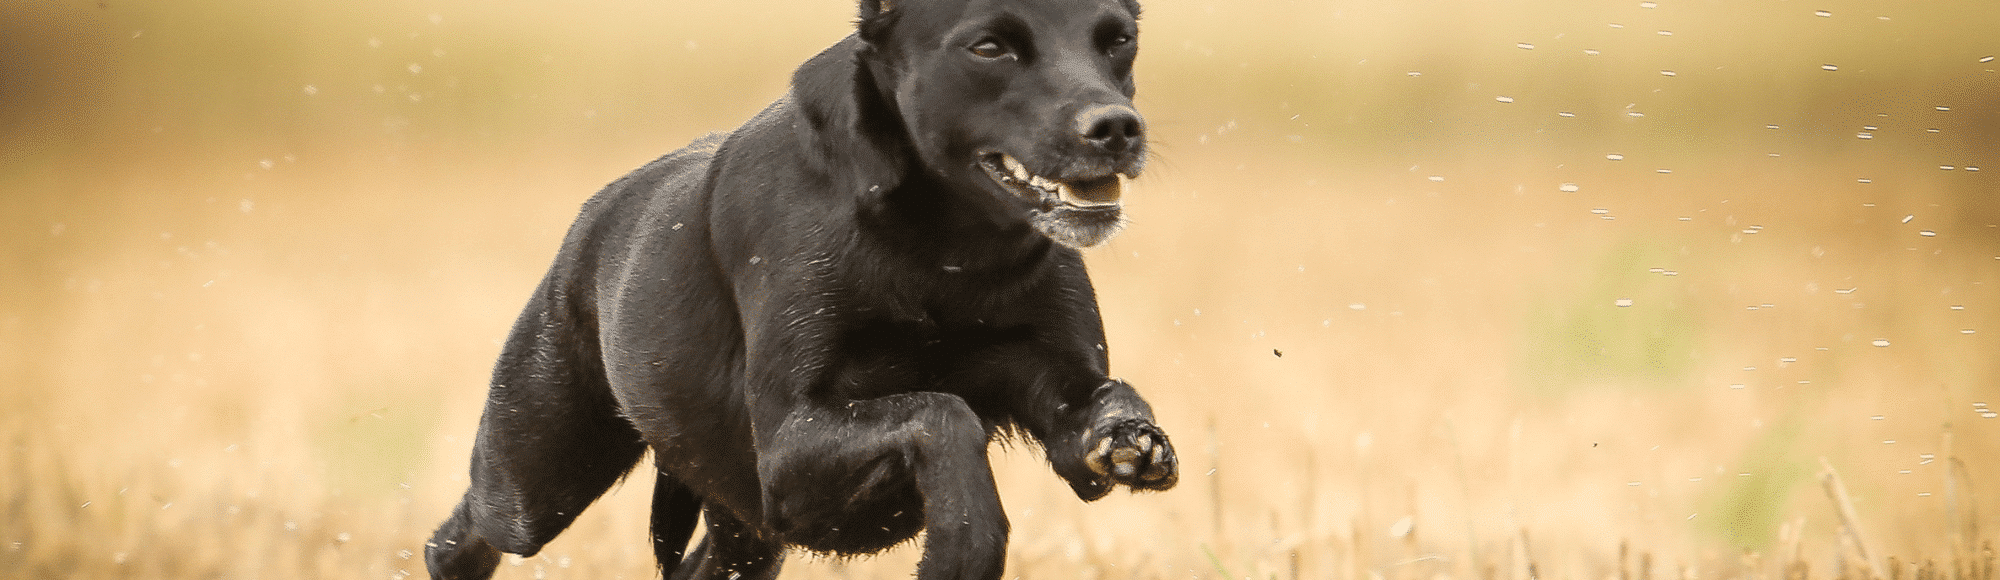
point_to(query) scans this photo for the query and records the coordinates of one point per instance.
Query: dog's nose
(1111, 128)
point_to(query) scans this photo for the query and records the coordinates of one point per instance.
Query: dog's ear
(876, 16)
(873, 8)
(848, 123)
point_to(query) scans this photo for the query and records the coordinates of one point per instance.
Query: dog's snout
(1111, 128)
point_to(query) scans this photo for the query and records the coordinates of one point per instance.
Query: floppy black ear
(876, 16)
(852, 133)
(873, 8)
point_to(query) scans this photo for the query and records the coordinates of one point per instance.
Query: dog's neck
(852, 138)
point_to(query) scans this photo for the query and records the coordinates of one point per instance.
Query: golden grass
(246, 324)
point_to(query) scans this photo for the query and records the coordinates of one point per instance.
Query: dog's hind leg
(731, 551)
(550, 442)
(533, 471)
(675, 509)
(456, 553)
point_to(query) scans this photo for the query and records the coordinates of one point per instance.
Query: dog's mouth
(1077, 212)
(1094, 193)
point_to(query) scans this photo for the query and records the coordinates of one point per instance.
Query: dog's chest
(884, 356)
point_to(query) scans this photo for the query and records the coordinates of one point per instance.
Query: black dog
(818, 321)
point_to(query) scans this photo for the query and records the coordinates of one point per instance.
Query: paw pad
(1134, 453)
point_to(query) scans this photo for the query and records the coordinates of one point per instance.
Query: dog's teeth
(1014, 166)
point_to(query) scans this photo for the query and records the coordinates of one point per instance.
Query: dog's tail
(674, 511)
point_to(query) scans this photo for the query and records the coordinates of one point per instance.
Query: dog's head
(1024, 106)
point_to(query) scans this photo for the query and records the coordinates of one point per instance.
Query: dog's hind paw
(1135, 453)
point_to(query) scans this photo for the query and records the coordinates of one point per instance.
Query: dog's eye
(1117, 43)
(988, 48)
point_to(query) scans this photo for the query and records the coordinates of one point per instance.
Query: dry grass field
(1462, 290)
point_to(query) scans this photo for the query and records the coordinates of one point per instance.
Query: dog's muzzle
(1047, 194)
(1079, 212)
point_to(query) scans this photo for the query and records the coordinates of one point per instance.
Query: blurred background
(1422, 290)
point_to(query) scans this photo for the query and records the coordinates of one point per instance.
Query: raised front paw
(1134, 453)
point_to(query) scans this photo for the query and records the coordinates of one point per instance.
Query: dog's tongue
(1100, 191)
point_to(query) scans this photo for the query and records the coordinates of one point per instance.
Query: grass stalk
(1850, 525)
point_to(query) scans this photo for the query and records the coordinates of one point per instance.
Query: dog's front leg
(1107, 439)
(822, 461)
(1098, 431)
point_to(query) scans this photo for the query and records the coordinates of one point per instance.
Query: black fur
(818, 321)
